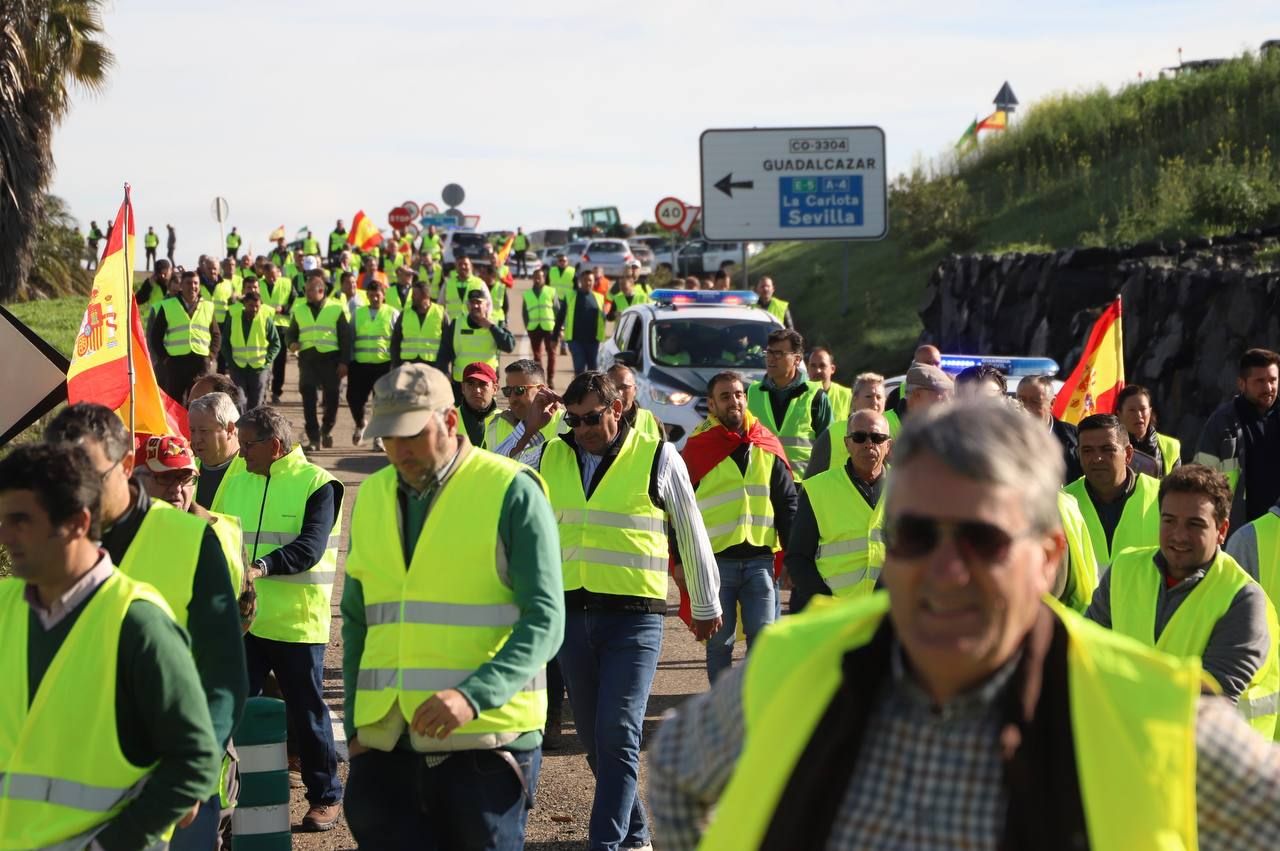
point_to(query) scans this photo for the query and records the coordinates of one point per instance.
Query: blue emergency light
(725, 298)
(1008, 365)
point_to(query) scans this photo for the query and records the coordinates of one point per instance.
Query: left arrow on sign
(727, 184)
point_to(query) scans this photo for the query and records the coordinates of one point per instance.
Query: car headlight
(665, 396)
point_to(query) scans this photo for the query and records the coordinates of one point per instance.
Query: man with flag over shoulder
(446, 635)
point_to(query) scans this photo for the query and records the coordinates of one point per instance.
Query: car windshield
(469, 240)
(709, 342)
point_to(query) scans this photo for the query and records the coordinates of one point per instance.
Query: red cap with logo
(168, 452)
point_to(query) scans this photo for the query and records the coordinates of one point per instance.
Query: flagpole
(128, 325)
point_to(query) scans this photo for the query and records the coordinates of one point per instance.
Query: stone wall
(1191, 308)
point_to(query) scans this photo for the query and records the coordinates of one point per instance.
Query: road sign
(440, 221)
(220, 209)
(34, 375)
(429, 209)
(453, 195)
(691, 215)
(794, 183)
(412, 207)
(669, 213)
(399, 217)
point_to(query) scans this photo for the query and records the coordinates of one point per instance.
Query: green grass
(56, 320)
(1168, 158)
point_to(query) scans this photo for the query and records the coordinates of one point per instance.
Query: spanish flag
(501, 260)
(1099, 376)
(364, 233)
(998, 120)
(110, 329)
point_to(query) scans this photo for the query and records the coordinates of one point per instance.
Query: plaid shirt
(929, 777)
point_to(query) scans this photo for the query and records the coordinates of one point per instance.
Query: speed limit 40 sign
(670, 213)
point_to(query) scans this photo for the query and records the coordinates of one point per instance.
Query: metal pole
(675, 264)
(746, 267)
(844, 291)
(128, 325)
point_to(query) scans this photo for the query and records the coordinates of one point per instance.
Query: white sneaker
(377, 444)
(357, 438)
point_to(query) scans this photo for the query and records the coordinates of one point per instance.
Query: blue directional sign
(815, 202)
(440, 221)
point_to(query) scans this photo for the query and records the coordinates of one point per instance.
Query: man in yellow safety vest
(150, 242)
(420, 328)
(474, 337)
(786, 402)
(821, 366)
(184, 337)
(216, 444)
(373, 324)
(320, 333)
(233, 244)
(543, 313)
(775, 307)
(801, 747)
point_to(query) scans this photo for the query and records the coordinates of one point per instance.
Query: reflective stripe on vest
(735, 506)
(58, 789)
(420, 335)
(373, 335)
(1126, 704)
(317, 329)
(222, 293)
(250, 353)
(616, 541)
(569, 316)
(472, 345)
(277, 295)
(796, 432)
(1139, 524)
(541, 308)
(1135, 588)
(164, 554)
(187, 334)
(428, 631)
(850, 533)
(296, 607)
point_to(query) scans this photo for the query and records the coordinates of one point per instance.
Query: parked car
(644, 256)
(703, 257)
(462, 243)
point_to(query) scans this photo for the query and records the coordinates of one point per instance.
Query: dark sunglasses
(915, 536)
(519, 390)
(591, 419)
(863, 436)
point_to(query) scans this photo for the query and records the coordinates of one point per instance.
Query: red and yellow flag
(364, 233)
(503, 254)
(1099, 376)
(998, 120)
(112, 325)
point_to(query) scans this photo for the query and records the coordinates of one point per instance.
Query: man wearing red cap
(178, 553)
(479, 405)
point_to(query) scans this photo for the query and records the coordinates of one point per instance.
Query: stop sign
(399, 217)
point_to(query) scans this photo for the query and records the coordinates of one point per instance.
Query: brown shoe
(295, 772)
(322, 817)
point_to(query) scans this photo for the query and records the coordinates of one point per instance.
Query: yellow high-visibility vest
(776, 308)
(277, 295)
(1266, 530)
(164, 554)
(735, 505)
(317, 329)
(616, 541)
(427, 630)
(850, 533)
(1082, 560)
(1133, 714)
(1135, 585)
(561, 281)
(796, 432)
(250, 353)
(1170, 451)
(373, 334)
(541, 308)
(472, 345)
(421, 335)
(841, 403)
(497, 429)
(295, 607)
(187, 334)
(1139, 524)
(63, 775)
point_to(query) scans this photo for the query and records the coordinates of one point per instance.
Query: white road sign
(794, 183)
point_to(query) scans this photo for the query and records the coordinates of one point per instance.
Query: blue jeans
(608, 660)
(584, 354)
(472, 800)
(201, 834)
(299, 669)
(748, 582)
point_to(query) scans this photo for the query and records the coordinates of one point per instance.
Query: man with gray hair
(802, 747)
(291, 512)
(216, 444)
(1036, 393)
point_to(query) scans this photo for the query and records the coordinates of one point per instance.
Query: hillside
(1167, 158)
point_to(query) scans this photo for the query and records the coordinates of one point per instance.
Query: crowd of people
(1056, 635)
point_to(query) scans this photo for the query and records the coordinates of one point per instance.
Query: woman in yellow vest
(801, 749)
(1133, 406)
(1189, 598)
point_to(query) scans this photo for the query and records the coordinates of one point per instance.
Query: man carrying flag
(747, 499)
(1099, 376)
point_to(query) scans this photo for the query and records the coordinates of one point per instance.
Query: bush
(928, 210)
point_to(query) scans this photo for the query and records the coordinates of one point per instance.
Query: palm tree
(47, 49)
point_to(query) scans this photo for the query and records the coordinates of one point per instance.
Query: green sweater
(161, 717)
(527, 530)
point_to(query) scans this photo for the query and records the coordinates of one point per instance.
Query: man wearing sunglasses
(178, 553)
(831, 450)
(614, 492)
(1022, 716)
(1120, 506)
(837, 542)
(1189, 598)
(790, 406)
(524, 378)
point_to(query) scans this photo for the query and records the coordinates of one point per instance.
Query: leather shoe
(322, 817)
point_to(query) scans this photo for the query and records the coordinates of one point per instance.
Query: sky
(299, 112)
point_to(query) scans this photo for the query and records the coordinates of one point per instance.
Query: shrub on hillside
(927, 210)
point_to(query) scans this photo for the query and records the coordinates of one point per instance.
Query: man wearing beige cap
(926, 385)
(444, 667)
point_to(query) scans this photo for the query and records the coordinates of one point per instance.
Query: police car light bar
(728, 298)
(1008, 365)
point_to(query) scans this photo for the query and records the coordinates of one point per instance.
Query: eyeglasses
(520, 390)
(175, 477)
(863, 436)
(102, 477)
(591, 419)
(775, 353)
(254, 442)
(915, 536)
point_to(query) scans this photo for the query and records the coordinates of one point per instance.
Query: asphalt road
(559, 821)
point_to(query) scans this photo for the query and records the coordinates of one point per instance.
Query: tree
(47, 49)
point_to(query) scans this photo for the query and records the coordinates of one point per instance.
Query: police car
(682, 338)
(1014, 369)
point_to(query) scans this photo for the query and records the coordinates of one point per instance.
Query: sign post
(670, 215)
(220, 209)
